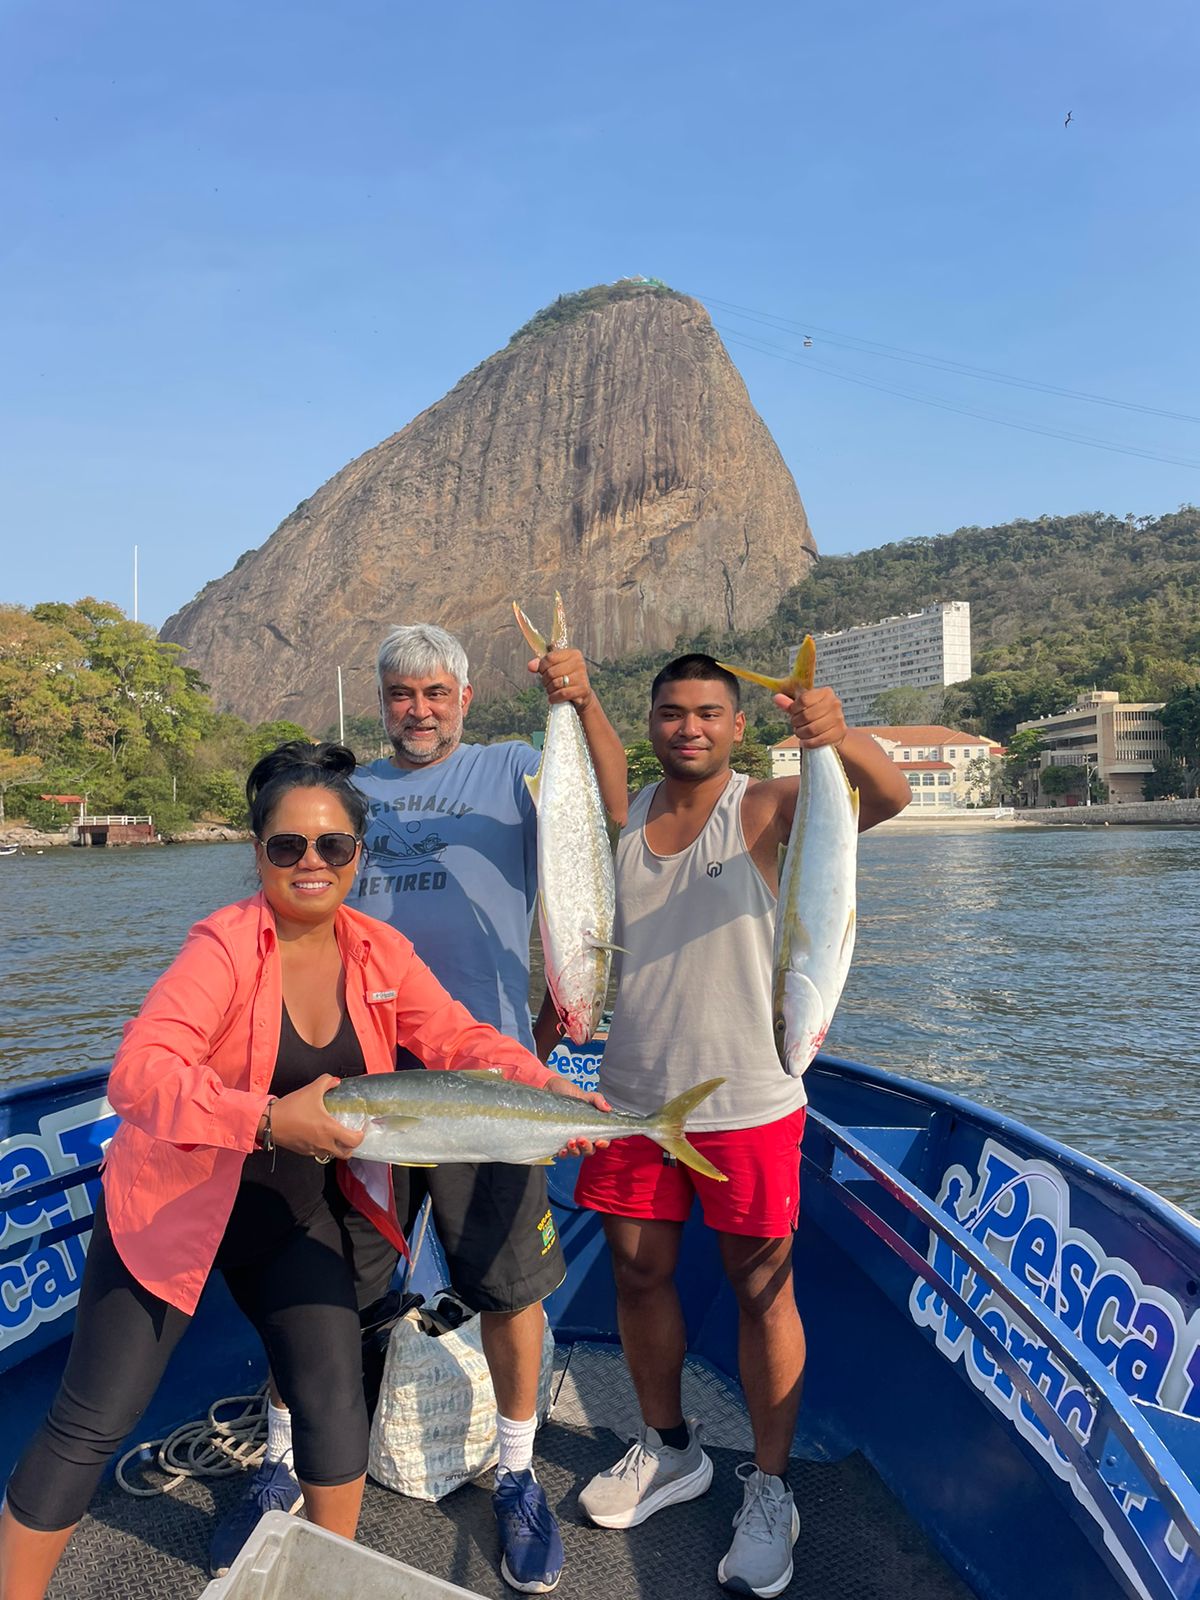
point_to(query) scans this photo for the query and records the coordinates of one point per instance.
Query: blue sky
(242, 243)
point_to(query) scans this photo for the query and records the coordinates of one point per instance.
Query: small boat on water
(1003, 1390)
(8, 849)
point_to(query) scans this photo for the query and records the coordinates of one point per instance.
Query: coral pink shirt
(192, 1075)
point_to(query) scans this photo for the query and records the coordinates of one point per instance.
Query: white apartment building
(920, 651)
(1120, 743)
(932, 757)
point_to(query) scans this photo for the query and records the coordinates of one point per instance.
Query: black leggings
(301, 1300)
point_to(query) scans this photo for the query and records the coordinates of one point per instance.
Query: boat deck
(855, 1539)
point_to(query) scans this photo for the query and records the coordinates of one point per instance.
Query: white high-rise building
(919, 651)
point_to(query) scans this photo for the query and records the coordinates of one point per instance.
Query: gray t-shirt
(452, 864)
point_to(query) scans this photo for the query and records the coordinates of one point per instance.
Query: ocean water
(1053, 974)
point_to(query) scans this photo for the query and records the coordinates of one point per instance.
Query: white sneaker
(759, 1561)
(649, 1476)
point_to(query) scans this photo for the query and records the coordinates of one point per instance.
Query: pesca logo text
(42, 1284)
(1020, 1210)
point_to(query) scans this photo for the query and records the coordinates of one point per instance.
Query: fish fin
(390, 1124)
(477, 1072)
(539, 1161)
(394, 1162)
(776, 685)
(533, 782)
(603, 944)
(850, 926)
(666, 1129)
(532, 637)
(802, 675)
(804, 668)
(558, 628)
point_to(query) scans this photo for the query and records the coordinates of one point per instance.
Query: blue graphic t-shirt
(452, 863)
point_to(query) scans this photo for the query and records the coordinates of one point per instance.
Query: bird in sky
(1070, 114)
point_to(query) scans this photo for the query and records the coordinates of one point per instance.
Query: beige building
(921, 650)
(933, 758)
(1119, 743)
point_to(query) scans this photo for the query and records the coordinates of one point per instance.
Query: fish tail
(558, 628)
(532, 637)
(804, 669)
(666, 1129)
(802, 675)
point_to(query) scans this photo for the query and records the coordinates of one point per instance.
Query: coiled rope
(213, 1447)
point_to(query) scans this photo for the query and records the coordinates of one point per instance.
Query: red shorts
(761, 1198)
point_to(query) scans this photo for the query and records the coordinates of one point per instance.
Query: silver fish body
(816, 912)
(816, 915)
(576, 884)
(423, 1118)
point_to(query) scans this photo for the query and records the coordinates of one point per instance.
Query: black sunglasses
(285, 849)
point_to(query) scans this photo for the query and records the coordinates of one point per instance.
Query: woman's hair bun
(335, 758)
(300, 764)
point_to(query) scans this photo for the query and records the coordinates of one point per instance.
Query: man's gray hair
(420, 650)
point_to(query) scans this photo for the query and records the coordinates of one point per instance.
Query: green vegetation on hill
(570, 307)
(1058, 605)
(93, 704)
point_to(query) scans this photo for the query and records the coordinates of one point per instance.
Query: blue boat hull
(1006, 1331)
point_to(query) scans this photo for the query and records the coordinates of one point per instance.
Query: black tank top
(281, 1189)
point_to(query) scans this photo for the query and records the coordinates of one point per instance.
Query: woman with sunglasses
(219, 1081)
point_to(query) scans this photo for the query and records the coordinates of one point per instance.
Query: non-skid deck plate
(856, 1543)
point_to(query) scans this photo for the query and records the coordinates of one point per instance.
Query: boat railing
(1116, 1416)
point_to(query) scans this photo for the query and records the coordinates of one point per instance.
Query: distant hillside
(1057, 605)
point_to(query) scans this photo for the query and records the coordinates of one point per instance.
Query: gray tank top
(694, 989)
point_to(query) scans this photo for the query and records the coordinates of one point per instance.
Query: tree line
(95, 705)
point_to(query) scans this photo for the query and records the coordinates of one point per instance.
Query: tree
(1170, 777)
(1021, 763)
(900, 708)
(644, 765)
(268, 736)
(1058, 781)
(982, 778)
(1180, 718)
(751, 757)
(15, 769)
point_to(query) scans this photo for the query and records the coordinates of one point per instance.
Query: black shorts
(495, 1226)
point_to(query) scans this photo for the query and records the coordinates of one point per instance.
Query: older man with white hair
(452, 840)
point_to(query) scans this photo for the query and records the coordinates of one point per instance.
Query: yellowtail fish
(576, 888)
(419, 1119)
(815, 914)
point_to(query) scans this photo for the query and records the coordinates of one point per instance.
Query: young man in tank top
(697, 874)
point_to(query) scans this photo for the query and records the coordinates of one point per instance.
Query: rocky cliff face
(609, 451)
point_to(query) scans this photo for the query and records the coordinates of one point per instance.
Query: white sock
(516, 1443)
(279, 1434)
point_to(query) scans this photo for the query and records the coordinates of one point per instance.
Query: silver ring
(322, 1161)
(566, 680)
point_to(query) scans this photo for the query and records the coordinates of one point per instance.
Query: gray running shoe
(759, 1561)
(649, 1476)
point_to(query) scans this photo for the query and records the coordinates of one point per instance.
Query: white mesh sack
(435, 1424)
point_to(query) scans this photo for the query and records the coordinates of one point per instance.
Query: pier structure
(104, 832)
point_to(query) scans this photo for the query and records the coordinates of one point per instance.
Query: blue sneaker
(533, 1554)
(272, 1488)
